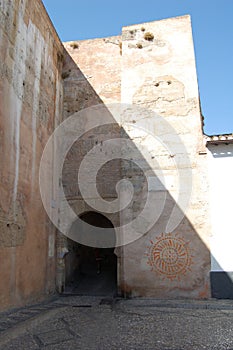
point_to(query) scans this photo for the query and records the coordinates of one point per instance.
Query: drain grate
(82, 305)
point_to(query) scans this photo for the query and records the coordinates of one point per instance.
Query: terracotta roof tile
(216, 139)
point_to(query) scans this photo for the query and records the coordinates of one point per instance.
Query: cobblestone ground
(97, 323)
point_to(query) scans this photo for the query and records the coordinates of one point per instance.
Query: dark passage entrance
(91, 271)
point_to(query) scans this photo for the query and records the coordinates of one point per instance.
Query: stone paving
(99, 323)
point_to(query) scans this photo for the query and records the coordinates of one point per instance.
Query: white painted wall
(221, 199)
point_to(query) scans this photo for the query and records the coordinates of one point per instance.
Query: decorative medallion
(170, 256)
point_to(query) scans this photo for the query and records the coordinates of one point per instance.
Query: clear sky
(212, 22)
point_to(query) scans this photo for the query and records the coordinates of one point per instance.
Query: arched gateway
(91, 270)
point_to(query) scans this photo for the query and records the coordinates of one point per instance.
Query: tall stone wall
(30, 108)
(159, 74)
(151, 67)
(92, 76)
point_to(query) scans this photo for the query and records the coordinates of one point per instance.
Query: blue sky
(212, 22)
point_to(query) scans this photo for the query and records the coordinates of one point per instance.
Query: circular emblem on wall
(170, 256)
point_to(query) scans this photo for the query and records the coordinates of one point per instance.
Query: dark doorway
(90, 270)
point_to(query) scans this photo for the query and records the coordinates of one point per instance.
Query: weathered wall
(158, 73)
(99, 62)
(92, 76)
(153, 68)
(30, 108)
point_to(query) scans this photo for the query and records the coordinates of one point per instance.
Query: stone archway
(90, 270)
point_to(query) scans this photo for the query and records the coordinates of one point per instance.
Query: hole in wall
(148, 36)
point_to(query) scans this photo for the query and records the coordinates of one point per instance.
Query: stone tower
(150, 72)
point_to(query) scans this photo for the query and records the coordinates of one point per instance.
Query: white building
(221, 192)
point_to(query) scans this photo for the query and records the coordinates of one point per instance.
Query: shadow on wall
(221, 284)
(156, 263)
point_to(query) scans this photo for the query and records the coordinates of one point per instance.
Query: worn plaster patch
(165, 94)
(12, 226)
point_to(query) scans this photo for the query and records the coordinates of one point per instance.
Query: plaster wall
(31, 59)
(220, 170)
(220, 161)
(159, 74)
